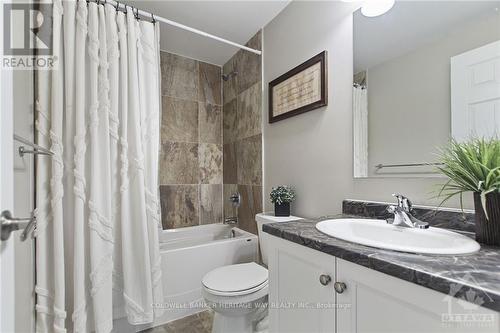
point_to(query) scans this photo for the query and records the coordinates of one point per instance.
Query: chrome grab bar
(22, 150)
(8, 224)
(37, 150)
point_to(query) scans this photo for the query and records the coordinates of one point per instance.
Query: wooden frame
(323, 101)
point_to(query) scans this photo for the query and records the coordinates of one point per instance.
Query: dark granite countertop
(479, 272)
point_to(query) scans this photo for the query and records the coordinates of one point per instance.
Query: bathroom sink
(380, 234)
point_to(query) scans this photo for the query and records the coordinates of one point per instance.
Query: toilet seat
(236, 280)
(237, 293)
(234, 302)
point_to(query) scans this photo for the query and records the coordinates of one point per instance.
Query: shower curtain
(97, 250)
(360, 120)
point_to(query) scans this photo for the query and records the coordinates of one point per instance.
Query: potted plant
(281, 197)
(474, 166)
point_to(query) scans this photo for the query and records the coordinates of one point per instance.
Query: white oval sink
(380, 234)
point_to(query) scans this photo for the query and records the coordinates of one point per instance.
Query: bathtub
(188, 254)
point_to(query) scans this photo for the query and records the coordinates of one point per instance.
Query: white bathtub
(188, 254)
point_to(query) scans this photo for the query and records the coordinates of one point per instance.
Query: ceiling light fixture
(373, 8)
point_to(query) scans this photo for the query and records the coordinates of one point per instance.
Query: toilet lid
(236, 278)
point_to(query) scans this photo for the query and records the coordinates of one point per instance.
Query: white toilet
(238, 293)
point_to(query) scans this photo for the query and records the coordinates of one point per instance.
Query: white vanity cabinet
(378, 302)
(371, 301)
(295, 289)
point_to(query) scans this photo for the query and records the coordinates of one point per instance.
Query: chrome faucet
(235, 200)
(402, 214)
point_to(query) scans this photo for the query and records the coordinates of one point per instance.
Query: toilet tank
(263, 218)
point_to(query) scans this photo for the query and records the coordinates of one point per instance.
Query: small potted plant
(474, 166)
(281, 197)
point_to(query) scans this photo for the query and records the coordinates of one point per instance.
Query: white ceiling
(409, 25)
(236, 21)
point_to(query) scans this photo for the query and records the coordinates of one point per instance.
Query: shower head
(227, 76)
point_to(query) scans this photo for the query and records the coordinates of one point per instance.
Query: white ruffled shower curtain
(97, 250)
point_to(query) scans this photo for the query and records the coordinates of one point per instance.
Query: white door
(24, 201)
(16, 195)
(7, 267)
(17, 299)
(475, 93)
(298, 300)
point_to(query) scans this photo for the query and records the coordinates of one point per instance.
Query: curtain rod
(185, 27)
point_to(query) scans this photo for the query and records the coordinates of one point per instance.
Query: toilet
(238, 293)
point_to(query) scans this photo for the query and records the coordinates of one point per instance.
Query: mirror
(424, 72)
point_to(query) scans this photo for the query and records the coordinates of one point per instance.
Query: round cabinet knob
(325, 279)
(339, 287)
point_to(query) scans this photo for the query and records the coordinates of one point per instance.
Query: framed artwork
(301, 89)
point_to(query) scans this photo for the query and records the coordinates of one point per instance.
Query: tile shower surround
(211, 139)
(242, 134)
(191, 142)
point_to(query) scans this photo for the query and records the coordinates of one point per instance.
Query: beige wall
(313, 151)
(410, 95)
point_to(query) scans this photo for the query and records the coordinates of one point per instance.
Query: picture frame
(303, 88)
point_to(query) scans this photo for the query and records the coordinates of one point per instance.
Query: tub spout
(231, 220)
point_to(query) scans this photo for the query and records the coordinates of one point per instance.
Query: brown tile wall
(242, 133)
(191, 142)
(211, 139)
